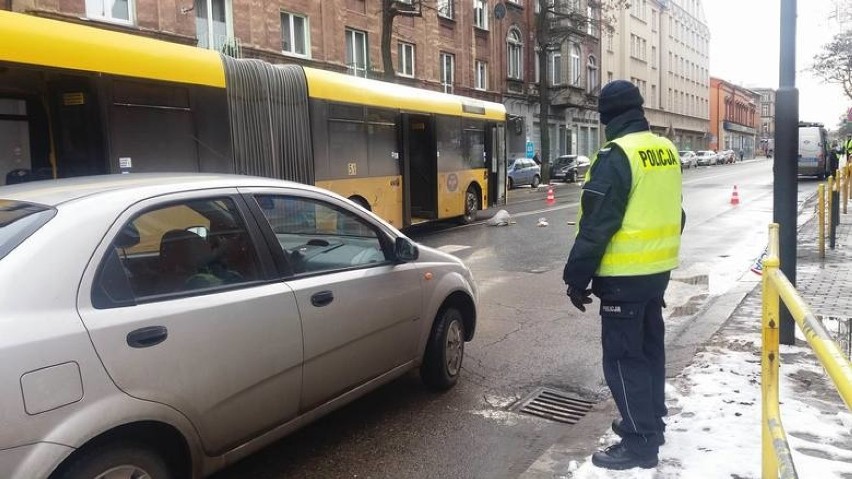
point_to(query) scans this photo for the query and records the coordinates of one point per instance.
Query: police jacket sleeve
(604, 201)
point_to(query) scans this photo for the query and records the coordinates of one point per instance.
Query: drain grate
(554, 405)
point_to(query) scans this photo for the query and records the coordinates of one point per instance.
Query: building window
(356, 53)
(480, 14)
(592, 84)
(654, 20)
(406, 60)
(481, 75)
(213, 26)
(515, 49)
(764, 109)
(294, 34)
(653, 57)
(590, 21)
(575, 70)
(119, 11)
(653, 96)
(556, 68)
(448, 71)
(445, 8)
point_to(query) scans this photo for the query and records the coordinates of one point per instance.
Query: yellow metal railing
(777, 460)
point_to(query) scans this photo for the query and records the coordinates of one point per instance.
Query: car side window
(316, 237)
(193, 246)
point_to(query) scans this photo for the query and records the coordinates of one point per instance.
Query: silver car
(165, 326)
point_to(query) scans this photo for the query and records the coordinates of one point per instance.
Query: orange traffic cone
(551, 198)
(735, 197)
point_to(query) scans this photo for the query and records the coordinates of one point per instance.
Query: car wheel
(444, 352)
(117, 461)
(511, 183)
(571, 176)
(471, 206)
(536, 181)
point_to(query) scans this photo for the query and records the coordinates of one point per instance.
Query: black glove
(579, 297)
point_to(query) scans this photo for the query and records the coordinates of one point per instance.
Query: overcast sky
(735, 57)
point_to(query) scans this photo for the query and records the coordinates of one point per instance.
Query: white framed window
(593, 79)
(590, 21)
(446, 8)
(556, 68)
(356, 53)
(214, 26)
(448, 71)
(118, 11)
(295, 32)
(515, 49)
(481, 75)
(406, 60)
(576, 71)
(480, 14)
(653, 57)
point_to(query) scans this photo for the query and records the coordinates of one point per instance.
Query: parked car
(728, 156)
(705, 158)
(687, 158)
(583, 164)
(169, 325)
(564, 167)
(524, 171)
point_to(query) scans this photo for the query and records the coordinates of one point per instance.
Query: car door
(360, 310)
(183, 311)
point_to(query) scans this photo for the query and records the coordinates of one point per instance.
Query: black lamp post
(785, 162)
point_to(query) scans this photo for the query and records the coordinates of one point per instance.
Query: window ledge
(480, 30)
(295, 55)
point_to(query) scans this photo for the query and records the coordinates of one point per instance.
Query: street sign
(530, 152)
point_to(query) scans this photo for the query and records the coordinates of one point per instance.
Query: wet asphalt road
(527, 337)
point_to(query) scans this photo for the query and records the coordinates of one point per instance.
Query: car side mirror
(405, 250)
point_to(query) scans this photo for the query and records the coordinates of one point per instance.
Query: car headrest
(127, 237)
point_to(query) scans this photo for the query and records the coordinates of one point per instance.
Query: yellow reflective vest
(649, 239)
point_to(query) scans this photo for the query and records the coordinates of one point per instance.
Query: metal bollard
(821, 215)
(832, 204)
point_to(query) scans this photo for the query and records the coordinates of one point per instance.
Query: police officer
(848, 148)
(627, 243)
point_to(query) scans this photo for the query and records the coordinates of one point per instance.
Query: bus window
(14, 137)
(382, 142)
(474, 143)
(451, 156)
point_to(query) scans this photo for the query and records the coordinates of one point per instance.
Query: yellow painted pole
(844, 177)
(821, 214)
(769, 355)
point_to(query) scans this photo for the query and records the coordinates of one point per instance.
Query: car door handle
(147, 337)
(323, 298)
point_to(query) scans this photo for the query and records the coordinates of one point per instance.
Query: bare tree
(557, 22)
(834, 63)
(390, 10)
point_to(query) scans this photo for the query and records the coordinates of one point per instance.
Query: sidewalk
(714, 428)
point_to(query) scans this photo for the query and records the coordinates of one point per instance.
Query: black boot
(619, 458)
(619, 430)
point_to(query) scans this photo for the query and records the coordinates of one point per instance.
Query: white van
(813, 156)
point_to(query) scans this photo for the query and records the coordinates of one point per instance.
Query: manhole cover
(554, 405)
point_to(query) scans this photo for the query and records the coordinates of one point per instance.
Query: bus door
(76, 127)
(420, 169)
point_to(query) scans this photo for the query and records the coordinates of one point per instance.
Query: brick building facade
(733, 117)
(478, 48)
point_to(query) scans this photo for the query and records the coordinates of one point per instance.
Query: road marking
(453, 248)
(546, 210)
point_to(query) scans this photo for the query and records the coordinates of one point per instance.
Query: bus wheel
(471, 205)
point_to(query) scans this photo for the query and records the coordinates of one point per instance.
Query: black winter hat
(617, 97)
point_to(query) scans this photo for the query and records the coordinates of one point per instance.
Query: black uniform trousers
(634, 357)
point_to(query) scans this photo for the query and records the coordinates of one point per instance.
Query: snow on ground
(715, 412)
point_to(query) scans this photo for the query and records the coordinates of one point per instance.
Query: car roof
(133, 186)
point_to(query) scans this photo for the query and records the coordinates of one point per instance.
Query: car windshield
(18, 220)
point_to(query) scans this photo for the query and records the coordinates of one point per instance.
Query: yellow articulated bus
(77, 100)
